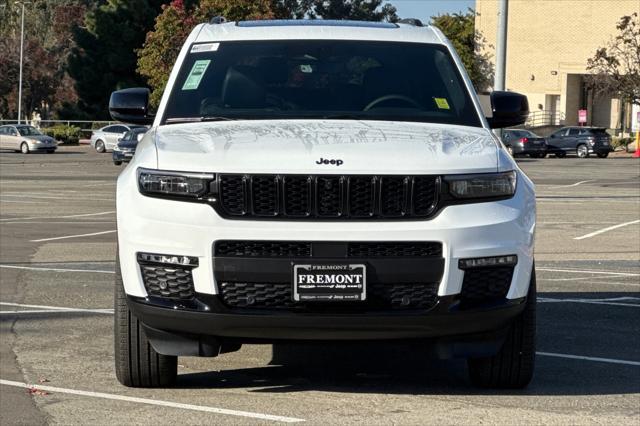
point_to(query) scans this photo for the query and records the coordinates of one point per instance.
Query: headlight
(486, 185)
(173, 184)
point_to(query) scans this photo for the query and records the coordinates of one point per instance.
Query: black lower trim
(445, 319)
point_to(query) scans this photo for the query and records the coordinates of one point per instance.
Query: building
(548, 45)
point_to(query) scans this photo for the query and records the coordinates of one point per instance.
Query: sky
(425, 9)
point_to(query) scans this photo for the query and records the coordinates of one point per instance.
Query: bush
(618, 142)
(69, 135)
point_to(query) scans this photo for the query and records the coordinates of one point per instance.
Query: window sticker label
(442, 103)
(205, 47)
(195, 75)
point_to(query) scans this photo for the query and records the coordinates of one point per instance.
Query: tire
(543, 155)
(137, 363)
(100, 146)
(603, 154)
(24, 148)
(51, 151)
(582, 151)
(512, 367)
(561, 154)
(117, 163)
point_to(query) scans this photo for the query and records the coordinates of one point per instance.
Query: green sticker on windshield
(195, 76)
(442, 103)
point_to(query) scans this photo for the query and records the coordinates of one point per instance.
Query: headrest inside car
(243, 88)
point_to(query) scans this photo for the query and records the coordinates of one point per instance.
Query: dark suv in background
(523, 142)
(582, 141)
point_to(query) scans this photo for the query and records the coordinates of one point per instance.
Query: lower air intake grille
(168, 281)
(380, 297)
(486, 284)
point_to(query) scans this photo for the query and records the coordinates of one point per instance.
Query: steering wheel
(392, 97)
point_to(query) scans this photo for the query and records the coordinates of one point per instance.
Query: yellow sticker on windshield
(442, 103)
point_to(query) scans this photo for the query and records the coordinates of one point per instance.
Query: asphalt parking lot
(57, 246)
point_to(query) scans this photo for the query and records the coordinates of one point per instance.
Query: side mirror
(130, 106)
(508, 109)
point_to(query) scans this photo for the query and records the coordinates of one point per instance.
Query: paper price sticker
(195, 75)
(442, 103)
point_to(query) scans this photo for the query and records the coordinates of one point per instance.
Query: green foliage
(63, 133)
(460, 29)
(104, 58)
(615, 68)
(358, 10)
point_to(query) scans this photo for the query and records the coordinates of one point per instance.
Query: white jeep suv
(322, 180)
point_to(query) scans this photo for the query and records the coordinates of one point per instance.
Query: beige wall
(549, 42)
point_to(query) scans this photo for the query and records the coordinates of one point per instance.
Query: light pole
(21, 3)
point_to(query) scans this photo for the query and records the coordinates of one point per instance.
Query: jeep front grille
(353, 197)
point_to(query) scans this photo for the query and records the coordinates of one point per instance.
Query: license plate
(329, 283)
(128, 154)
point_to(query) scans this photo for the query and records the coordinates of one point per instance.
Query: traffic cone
(636, 154)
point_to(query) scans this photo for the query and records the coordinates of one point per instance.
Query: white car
(323, 180)
(26, 139)
(106, 138)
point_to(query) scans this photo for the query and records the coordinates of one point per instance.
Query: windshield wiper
(175, 120)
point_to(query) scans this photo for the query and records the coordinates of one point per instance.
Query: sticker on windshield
(205, 47)
(442, 103)
(195, 75)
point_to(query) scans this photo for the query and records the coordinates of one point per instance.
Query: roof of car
(307, 29)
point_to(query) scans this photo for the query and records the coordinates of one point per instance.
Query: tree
(104, 58)
(460, 29)
(615, 68)
(172, 27)
(357, 10)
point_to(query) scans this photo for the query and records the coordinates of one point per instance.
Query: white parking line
(157, 402)
(588, 271)
(32, 268)
(57, 217)
(44, 308)
(84, 222)
(54, 311)
(601, 231)
(573, 184)
(589, 358)
(615, 301)
(73, 236)
(55, 198)
(23, 202)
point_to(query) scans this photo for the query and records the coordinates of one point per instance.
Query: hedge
(61, 132)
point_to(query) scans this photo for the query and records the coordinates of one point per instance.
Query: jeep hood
(296, 146)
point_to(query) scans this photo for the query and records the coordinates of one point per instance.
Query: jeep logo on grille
(337, 162)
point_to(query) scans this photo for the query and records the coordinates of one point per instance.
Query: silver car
(106, 139)
(25, 139)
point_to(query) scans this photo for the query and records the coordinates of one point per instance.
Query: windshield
(320, 79)
(522, 134)
(28, 131)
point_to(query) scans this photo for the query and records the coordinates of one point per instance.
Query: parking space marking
(44, 308)
(33, 268)
(23, 202)
(59, 217)
(87, 222)
(156, 402)
(73, 236)
(573, 184)
(590, 358)
(614, 301)
(589, 271)
(54, 311)
(609, 228)
(55, 198)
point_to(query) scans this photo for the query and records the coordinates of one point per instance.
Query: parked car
(106, 138)
(524, 142)
(581, 141)
(126, 147)
(322, 180)
(25, 139)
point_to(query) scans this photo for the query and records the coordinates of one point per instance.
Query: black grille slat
(356, 197)
(485, 284)
(394, 249)
(380, 297)
(262, 249)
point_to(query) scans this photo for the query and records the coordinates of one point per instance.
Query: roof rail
(411, 21)
(217, 20)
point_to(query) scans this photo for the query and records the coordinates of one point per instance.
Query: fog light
(480, 262)
(168, 259)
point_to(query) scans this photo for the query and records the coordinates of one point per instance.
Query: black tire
(117, 163)
(100, 146)
(543, 155)
(24, 148)
(138, 365)
(603, 154)
(560, 154)
(512, 367)
(582, 151)
(51, 151)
